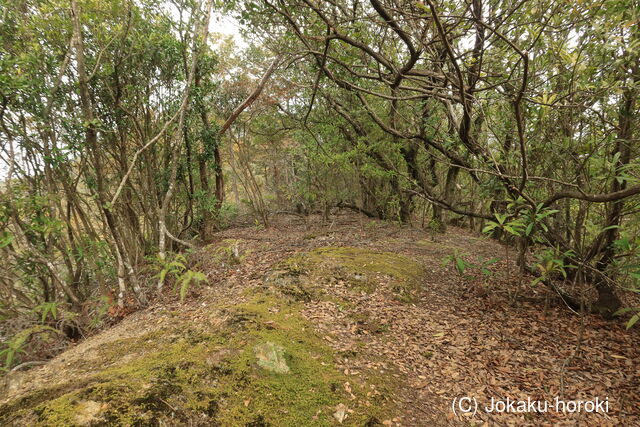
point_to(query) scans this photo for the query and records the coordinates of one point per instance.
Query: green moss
(359, 268)
(313, 383)
(57, 413)
(187, 375)
(358, 260)
(157, 377)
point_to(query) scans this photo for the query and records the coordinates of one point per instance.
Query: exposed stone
(88, 412)
(271, 357)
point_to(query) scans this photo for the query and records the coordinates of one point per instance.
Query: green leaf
(547, 213)
(611, 227)
(177, 265)
(184, 288)
(199, 277)
(490, 227)
(6, 239)
(633, 320)
(529, 229)
(624, 310)
(511, 230)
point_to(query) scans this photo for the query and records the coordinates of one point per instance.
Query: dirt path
(463, 337)
(455, 337)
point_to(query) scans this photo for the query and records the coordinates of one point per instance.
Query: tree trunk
(608, 302)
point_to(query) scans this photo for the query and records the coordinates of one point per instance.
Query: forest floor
(375, 327)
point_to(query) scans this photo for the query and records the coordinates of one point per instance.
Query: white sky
(227, 25)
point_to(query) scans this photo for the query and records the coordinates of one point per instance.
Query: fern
(177, 267)
(184, 280)
(45, 308)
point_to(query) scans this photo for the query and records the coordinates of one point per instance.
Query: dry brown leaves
(462, 338)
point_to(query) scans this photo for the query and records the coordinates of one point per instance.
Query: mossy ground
(189, 374)
(194, 363)
(361, 268)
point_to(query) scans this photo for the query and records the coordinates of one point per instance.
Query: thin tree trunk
(162, 226)
(608, 302)
(91, 136)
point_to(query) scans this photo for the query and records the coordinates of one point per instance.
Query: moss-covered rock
(362, 269)
(194, 374)
(271, 357)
